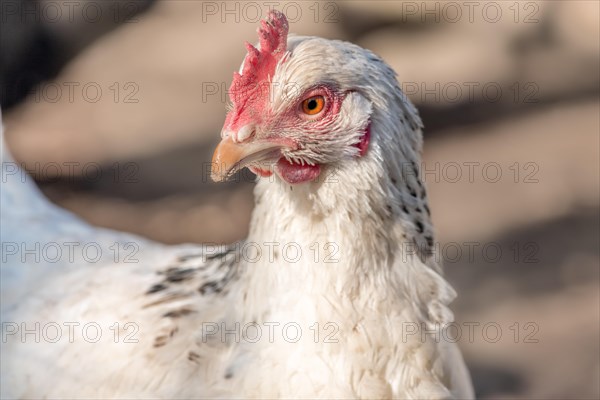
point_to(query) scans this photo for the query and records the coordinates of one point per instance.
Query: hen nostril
(245, 133)
(225, 133)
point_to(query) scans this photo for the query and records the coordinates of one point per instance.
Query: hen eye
(313, 105)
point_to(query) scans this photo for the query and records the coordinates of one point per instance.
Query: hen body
(329, 297)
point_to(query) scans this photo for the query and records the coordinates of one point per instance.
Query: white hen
(335, 293)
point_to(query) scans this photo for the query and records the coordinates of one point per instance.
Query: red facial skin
(249, 93)
(363, 145)
(295, 117)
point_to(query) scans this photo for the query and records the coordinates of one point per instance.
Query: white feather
(327, 257)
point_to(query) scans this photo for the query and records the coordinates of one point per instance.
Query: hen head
(302, 106)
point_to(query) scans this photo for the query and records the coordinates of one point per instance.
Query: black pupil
(312, 104)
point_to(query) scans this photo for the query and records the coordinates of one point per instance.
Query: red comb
(259, 65)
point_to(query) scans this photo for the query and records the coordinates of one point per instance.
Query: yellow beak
(229, 157)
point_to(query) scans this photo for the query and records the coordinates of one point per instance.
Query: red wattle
(296, 173)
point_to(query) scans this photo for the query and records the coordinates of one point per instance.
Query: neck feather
(352, 234)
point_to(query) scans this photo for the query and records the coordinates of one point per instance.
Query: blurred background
(115, 107)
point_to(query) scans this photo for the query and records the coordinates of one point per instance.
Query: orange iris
(313, 105)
